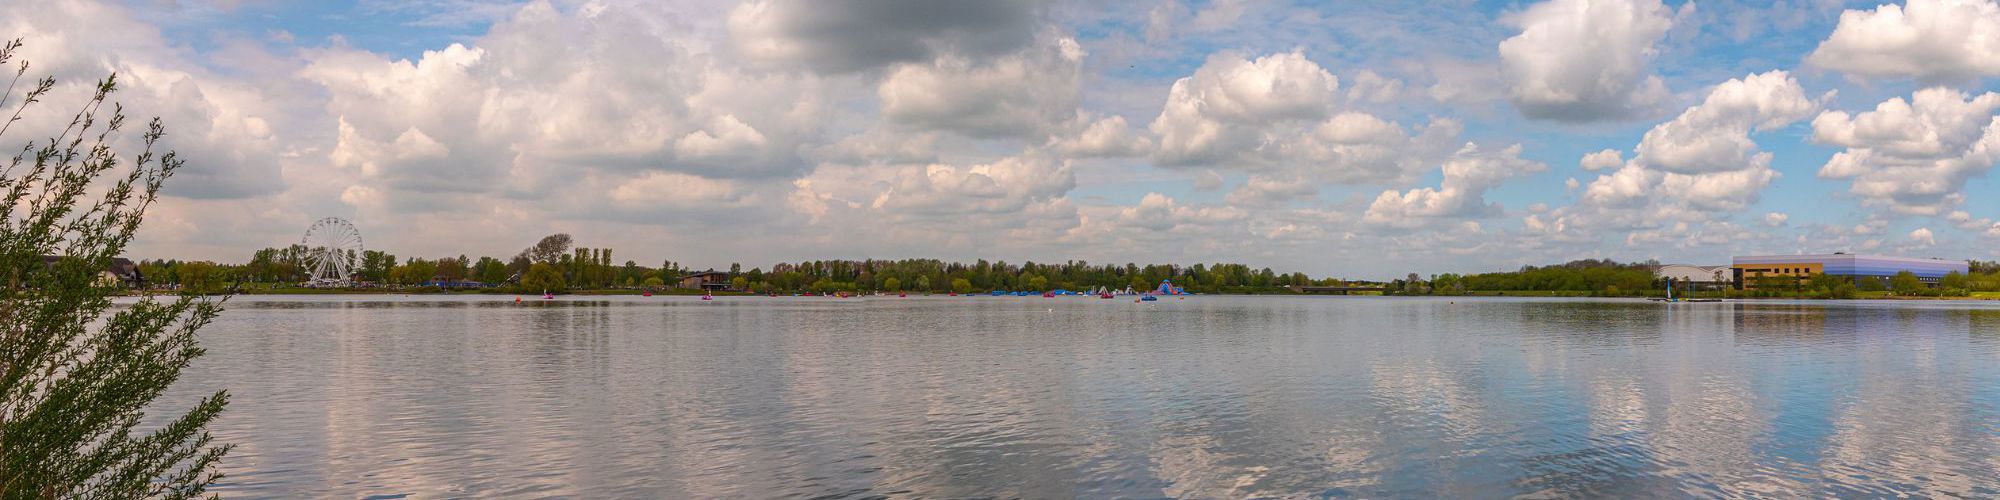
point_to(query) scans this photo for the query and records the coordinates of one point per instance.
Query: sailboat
(1672, 298)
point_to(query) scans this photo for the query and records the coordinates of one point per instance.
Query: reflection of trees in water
(1589, 325)
(1785, 324)
(1983, 325)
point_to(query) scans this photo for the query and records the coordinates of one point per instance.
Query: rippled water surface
(1080, 397)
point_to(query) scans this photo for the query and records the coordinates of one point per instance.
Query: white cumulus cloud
(1280, 113)
(1003, 186)
(1019, 95)
(228, 128)
(1109, 136)
(1467, 176)
(1922, 237)
(1586, 60)
(1913, 155)
(1929, 40)
(1602, 160)
(1705, 157)
(504, 114)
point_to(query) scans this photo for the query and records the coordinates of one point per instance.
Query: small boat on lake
(1672, 298)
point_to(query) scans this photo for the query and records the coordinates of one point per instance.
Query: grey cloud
(837, 36)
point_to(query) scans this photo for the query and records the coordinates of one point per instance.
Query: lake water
(1214, 397)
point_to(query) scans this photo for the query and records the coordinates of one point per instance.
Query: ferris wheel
(331, 247)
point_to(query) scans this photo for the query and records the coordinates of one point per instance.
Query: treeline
(555, 264)
(1587, 276)
(1612, 278)
(938, 276)
(1905, 284)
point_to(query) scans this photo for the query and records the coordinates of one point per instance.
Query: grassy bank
(1732, 294)
(270, 289)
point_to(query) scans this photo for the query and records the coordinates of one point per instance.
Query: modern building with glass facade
(1791, 269)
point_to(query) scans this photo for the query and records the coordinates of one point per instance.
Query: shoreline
(1976, 296)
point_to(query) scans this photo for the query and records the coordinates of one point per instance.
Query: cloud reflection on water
(1207, 397)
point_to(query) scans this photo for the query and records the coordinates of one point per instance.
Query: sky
(1363, 139)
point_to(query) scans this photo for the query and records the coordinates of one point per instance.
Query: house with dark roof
(706, 280)
(119, 272)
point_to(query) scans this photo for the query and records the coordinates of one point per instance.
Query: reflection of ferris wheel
(331, 247)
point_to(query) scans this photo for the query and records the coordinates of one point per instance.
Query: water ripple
(1210, 397)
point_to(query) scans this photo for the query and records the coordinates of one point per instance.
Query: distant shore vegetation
(556, 265)
(1608, 278)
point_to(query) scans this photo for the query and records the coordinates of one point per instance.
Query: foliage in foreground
(76, 378)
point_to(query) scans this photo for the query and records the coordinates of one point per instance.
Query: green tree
(1448, 284)
(261, 265)
(892, 284)
(375, 265)
(1955, 279)
(655, 282)
(543, 277)
(201, 278)
(924, 282)
(415, 271)
(453, 269)
(490, 270)
(739, 283)
(1828, 286)
(549, 249)
(1414, 285)
(961, 285)
(75, 376)
(1906, 283)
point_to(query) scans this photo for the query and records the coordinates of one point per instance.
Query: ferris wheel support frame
(331, 246)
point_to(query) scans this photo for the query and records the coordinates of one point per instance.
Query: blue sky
(1359, 139)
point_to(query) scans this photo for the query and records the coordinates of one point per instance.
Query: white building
(1685, 273)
